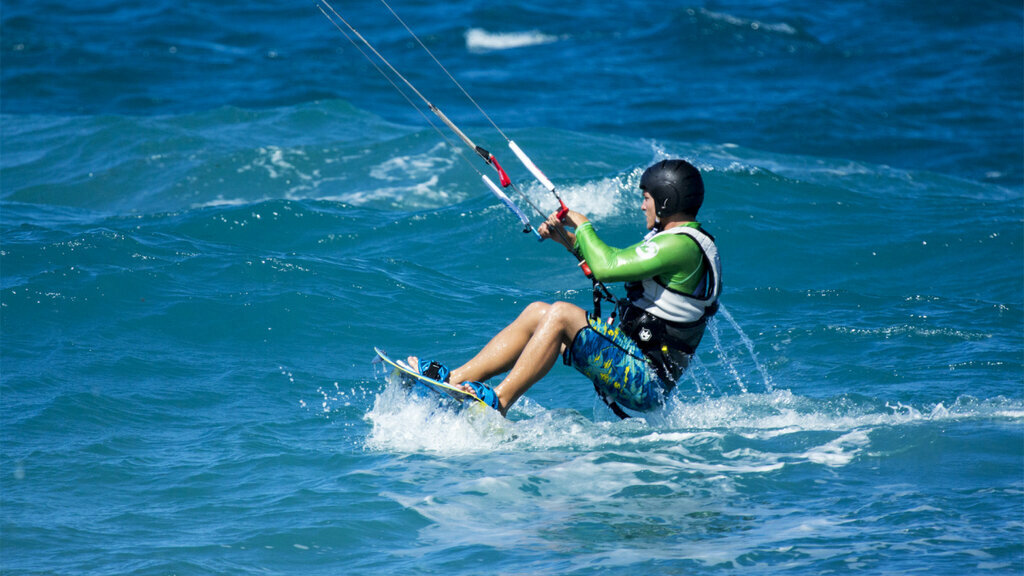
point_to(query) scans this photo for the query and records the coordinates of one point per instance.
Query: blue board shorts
(616, 366)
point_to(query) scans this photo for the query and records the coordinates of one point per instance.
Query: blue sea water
(210, 213)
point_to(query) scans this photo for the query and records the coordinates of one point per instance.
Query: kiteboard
(442, 392)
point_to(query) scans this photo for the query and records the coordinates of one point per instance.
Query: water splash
(766, 380)
(712, 370)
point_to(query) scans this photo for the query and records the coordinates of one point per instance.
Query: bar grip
(531, 166)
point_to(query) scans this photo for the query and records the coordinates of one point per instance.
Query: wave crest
(480, 40)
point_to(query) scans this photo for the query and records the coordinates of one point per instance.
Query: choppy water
(211, 214)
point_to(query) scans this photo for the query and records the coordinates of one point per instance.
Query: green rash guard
(674, 260)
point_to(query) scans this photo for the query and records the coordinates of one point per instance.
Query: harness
(678, 307)
(668, 325)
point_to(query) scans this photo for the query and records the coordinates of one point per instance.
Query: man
(673, 280)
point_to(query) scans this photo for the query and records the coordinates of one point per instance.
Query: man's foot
(414, 363)
(485, 393)
(439, 372)
(433, 370)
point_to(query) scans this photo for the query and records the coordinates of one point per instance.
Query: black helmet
(675, 186)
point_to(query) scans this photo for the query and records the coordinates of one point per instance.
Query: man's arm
(666, 254)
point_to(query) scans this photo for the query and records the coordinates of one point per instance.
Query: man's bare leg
(526, 349)
(502, 352)
(559, 326)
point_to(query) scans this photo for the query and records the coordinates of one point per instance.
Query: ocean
(212, 212)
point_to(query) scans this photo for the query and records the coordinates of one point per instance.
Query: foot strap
(434, 370)
(486, 394)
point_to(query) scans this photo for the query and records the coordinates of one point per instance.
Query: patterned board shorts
(615, 364)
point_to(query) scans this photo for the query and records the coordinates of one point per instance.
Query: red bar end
(502, 176)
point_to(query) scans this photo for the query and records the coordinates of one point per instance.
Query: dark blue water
(210, 213)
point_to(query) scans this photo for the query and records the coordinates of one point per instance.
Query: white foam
(597, 199)
(414, 166)
(220, 200)
(550, 468)
(404, 424)
(480, 40)
(416, 194)
(273, 160)
(839, 452)
(683, 435)
(780, 28)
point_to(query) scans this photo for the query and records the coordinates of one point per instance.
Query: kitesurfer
(672, 280)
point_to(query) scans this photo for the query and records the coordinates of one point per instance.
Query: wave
(791, 429)
(776, 27)
(480, 40)
(332, 151)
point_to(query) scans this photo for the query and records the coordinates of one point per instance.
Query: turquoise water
(211, 215)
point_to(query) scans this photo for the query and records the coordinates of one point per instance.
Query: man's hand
(557, 229)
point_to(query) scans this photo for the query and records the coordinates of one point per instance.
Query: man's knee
(536, 308)
(569, 317)
(535, 313)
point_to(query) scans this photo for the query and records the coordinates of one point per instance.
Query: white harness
(675, 306)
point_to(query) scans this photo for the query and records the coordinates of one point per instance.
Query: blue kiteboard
(441, 392)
